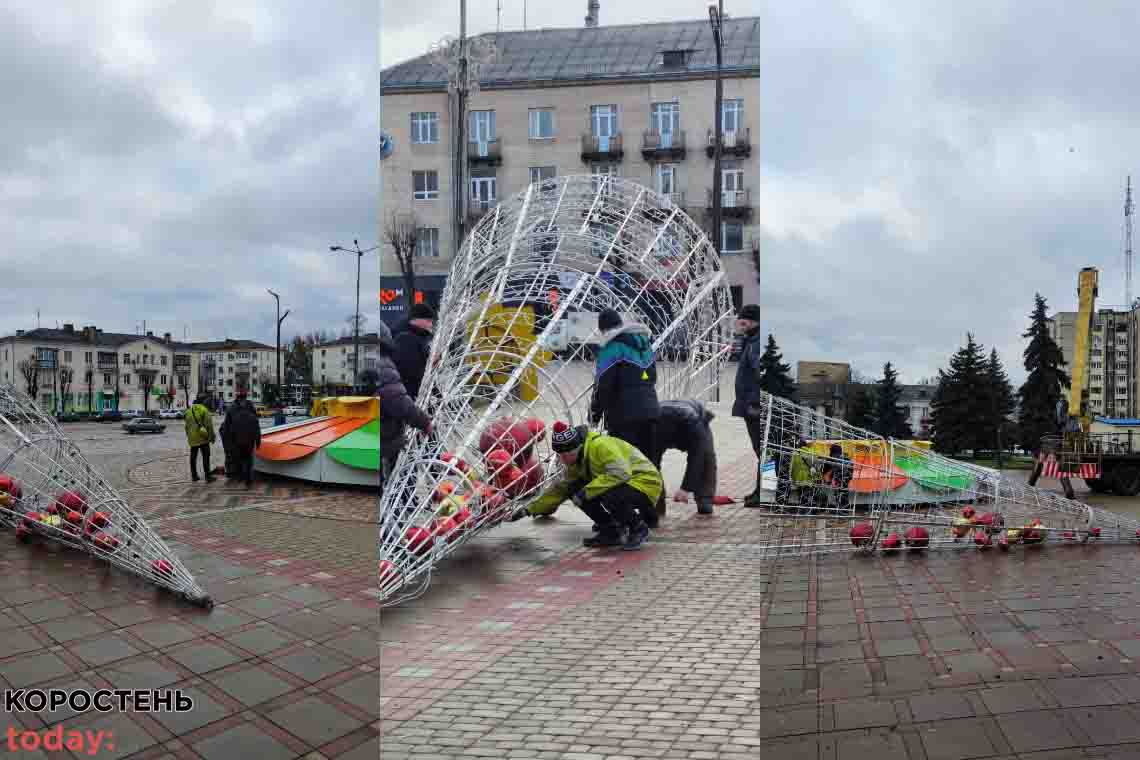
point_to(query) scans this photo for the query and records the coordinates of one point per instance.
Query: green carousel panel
(920, 471)
(359, 449)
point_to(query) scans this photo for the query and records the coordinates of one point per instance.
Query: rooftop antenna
(592, 8)
(499, 17)
(524, 15)
(37, 319)
(1128, 207)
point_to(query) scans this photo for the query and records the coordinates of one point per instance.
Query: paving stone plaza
(528, 645)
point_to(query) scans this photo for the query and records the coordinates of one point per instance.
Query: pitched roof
(597, 54)
(366, 339)
(102, 339)
(230, 344)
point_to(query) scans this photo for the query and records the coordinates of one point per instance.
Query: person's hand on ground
(579, 498)
(681, 497)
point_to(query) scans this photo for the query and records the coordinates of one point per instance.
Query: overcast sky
(170, 160)
(927, 166)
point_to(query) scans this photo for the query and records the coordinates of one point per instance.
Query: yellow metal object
(503, 337)
(1086, 294)
(356, 407)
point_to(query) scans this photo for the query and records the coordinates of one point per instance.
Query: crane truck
(1107, 462)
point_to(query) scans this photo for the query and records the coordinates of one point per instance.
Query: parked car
(172, 414)
(296, 411)
(109, 415)
(263, 411)
(68, 417)
(143, 425)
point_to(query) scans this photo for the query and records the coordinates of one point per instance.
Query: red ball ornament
(862, 533)
(419, 540)
(892, 542)
(917, 537)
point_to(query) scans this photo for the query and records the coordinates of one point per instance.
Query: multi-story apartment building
(228, 366)
(633, 101)
(89, 369)
(1112, 365)
(333, 362)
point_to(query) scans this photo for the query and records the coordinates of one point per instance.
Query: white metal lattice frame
(888, 492)
(599, 242)
(49, 491)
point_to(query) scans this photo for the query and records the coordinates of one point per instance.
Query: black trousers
(622, 506)
(641, 434)
(205, 451)
(243, 458)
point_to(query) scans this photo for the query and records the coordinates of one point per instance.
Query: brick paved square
(864, 713)
(1083, 692)
(878, 744)
(141, 673)
(262, 639)
(161, 634)
(971, 662)
(1035, 731)
(308, 625)
(314, 721)
(312, 664)
(202, 657)
(32, 669)
(1011, 697)
(941, 705)
(243, 741)
(252, 686)
(129, 614)
(71, 628)
(102, 650)
(50, 609)
(956, 740)
(364, 692)
(1118, 724)
(206, 710)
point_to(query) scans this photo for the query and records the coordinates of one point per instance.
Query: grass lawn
(1007, 463)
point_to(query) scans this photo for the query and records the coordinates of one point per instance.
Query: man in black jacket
(244, 431)
(748, 405)
(397, 404)
(684, 425)
(413, 347)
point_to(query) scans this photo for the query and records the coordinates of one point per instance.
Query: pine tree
(1042, 389)
(1001, 399)
(890, 418)
(961, 408)
(775, 377)
(861, 408)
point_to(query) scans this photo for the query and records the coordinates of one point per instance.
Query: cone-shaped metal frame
(833, 488)
(49, 491)
(572, 244)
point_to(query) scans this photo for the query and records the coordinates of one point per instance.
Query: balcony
(663, 146)
(736, 144)
(488, 153)
(596, 148)
(476, 210)
(734, 204)
(659, 213)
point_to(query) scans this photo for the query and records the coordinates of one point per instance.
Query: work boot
(638, 535)
(611, 535)
(704, 506)
(753, 500)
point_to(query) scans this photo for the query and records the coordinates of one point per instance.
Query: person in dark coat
(684, 425)
(625, 385)
(412, 342)
(397, 405)
(747, 404)
(244, 431)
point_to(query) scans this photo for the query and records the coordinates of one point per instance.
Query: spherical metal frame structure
(575, 243)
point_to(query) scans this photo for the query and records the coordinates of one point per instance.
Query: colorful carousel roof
(339, 444)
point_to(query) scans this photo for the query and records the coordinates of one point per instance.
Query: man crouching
(609, 480)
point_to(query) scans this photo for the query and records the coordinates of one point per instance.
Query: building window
(541, 123)
(427, 242)
(542, 173)
(733, 237)
(666, 120)
(483, 192)
(674, 58)
(603, 122)
(243, 355)
(482, 126)
(732, 114)
(425, 127)
(67, 357)
(164, 361)
(162, 382)
(126, 379)
(425, 185)
(666, 176)
(107, 378)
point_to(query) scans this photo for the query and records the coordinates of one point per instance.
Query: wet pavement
(527, 645)
(286, 664)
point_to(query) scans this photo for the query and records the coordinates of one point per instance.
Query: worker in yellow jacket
(609, 480)
(200, 434)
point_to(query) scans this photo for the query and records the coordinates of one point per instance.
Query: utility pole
(280, 319)
(1128, 208)
(356, 319)
(460, 189)
(716, 15)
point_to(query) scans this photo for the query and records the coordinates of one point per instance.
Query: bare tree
(66, 376)
(401, 234)
(30, 369)
(184, 384)
(89, 378)
(146, 382)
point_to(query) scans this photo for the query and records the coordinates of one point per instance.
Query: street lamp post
(715, 16)
(280, 319)
(356, 319)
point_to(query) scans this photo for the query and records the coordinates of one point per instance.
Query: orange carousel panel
(303, 440)
(871, 475)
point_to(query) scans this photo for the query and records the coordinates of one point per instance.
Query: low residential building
(90, 369)
(333, 362)
(823, 372)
